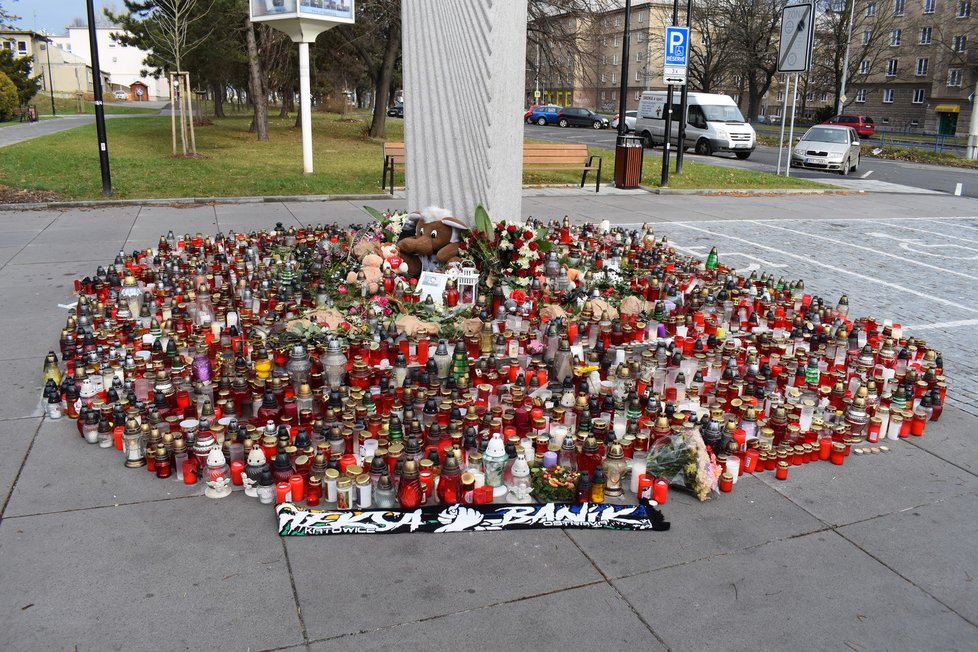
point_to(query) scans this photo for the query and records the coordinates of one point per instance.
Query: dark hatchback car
(396, 111)
(572, 116)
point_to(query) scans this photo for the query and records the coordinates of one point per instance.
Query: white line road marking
(938, 233)
(942, 325)
(910, 245)
(875, 251)
(727, 254)
(835, 269)
(866, 174)
(808, 219)
(960, 226)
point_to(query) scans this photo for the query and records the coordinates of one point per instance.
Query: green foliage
(483, 222)
(8, 97)
(18, 69)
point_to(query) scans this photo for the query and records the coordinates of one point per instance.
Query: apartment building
(923, 77)
(56, 69)
(123, 63)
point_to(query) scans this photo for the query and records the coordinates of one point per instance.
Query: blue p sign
(677, 46)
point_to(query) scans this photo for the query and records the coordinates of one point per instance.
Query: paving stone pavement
(876, 554)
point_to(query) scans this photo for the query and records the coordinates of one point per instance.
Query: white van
(713, 123)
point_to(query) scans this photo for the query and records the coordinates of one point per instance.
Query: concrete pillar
(464, 68)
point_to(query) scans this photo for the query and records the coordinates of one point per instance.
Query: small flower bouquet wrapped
(684, 460)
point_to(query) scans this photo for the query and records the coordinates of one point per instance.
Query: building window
(640, 56)
(614, 95)
(886, 121)
(617, 41)
(810, 96)
(964, 8)
(604, 61)
(914, 123)
(887, 96)
(954, 77)
(960, 43)
(895, 37)
(613, 78)
(871, 8)
(604, 78)
(603, 94)
(780, 96)
(638, 95)
(925, 35)
(929, 6)
(617, 21)
(640, 36)
(863, 67)
(861, 95)
(867, 37)
(638, 76)
(641, 16)
(824, 97)
(898, 7)
(918, 96)
(891, 68)
(614, 60)
(22, 47)
(921, 66)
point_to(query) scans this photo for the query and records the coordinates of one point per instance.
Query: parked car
(573, 116)
(863, 124)
(827, 147)
(630, 117)
(121, 95)
(396, 111)
(544, 114)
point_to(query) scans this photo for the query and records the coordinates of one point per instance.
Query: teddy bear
(371, 268)
(435, 240)
(392, 259)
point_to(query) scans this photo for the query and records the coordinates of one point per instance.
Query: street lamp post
(47, 49)
(840, 101)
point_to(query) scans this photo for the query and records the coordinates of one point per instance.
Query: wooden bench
(28, 113)
(536, 156)
(561, 156)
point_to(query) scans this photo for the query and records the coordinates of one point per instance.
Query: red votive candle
(189, 472)
(838, 455)
(824, 448)
(117, 436)
(660, 491)
(282, 492)
(237, 468)
(782, 471)
(298, 487)
(726, 483)
(750, 460)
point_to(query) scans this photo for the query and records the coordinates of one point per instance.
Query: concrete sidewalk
(877, 554)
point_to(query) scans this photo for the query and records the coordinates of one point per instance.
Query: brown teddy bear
(372, 273)
(434, 243)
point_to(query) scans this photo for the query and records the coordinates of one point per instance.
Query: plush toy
(392, 259)
(372, 273)
(435, 241)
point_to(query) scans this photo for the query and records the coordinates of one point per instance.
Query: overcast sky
(52, 16)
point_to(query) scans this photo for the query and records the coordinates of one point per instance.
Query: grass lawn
(66, 106)
(235, 164)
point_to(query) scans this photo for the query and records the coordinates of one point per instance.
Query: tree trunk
(283, 113)
(383, 82)
(298, 118)
(218, 91)
(255, 87)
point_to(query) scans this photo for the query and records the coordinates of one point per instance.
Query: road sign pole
(103, 147)
(667, 139)
(683, 97)
(623, 89)
(784, 112)
(791, 131)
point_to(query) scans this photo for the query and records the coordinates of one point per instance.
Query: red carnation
(511, 228)
(517, 243)
(527, 235)
(534, 246)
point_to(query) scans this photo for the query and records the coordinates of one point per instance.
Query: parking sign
(676, 55)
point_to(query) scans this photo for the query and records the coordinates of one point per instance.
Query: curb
(187, 201)
(203, 201)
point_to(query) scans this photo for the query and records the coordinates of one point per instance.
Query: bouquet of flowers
(506, 250)
(684, 459)
(554, 485)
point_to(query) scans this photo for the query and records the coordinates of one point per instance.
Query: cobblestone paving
(920, 273)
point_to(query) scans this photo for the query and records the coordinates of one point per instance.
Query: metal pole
(667, 135)
(305, 107)
(623, 87)
(103, 146)
(683, 97)
(845, 61)
(47, 48)
(784, 113)
(973, 129)
(791, 130)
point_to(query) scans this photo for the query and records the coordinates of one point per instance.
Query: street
(765, 159)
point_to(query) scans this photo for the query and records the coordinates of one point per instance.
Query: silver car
(827, 147)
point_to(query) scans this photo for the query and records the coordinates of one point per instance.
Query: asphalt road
(929, 177)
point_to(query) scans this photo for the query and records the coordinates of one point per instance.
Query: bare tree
(753, 33)
(711, 52)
